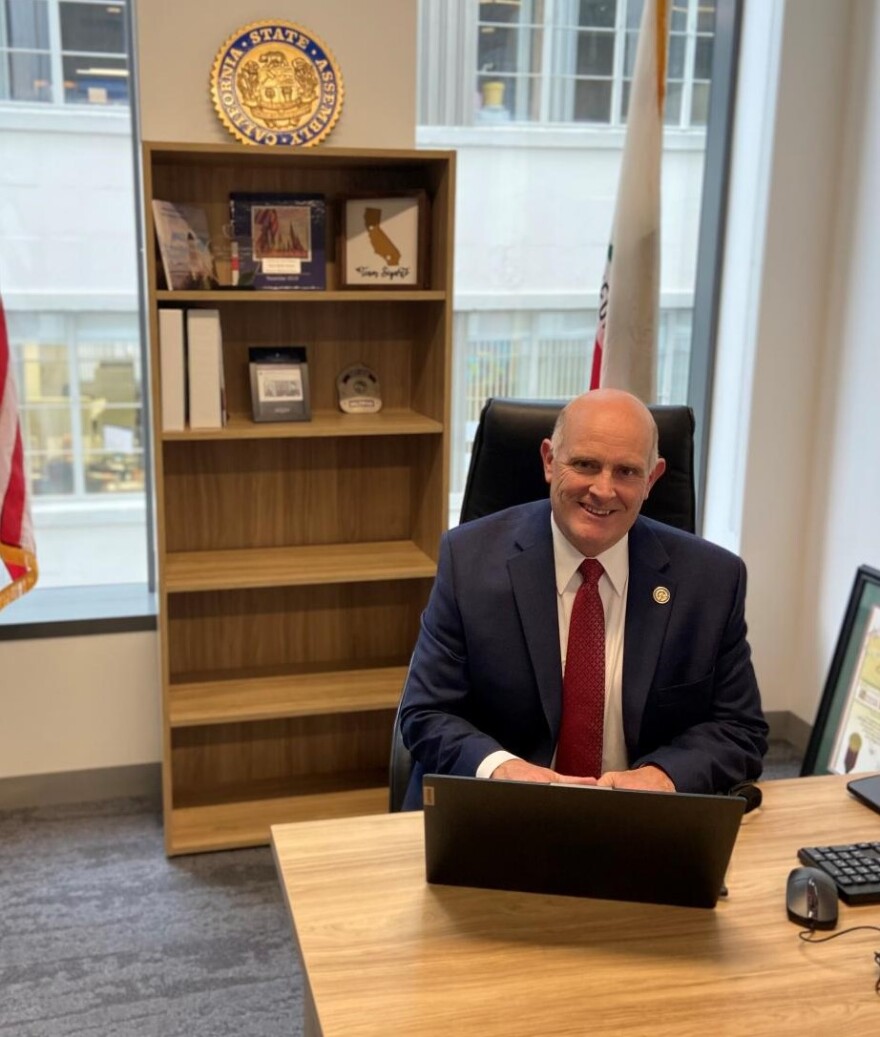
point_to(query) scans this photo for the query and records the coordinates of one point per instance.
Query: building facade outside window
(539, 354)
(572, 60)
(561, 61)
(63, 51)
(532, 94)
(69, 285)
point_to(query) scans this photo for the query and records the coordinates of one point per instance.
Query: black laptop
(653, 847)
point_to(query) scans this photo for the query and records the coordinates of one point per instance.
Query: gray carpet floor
(101, 935)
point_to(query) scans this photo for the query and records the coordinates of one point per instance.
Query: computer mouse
(811, 898)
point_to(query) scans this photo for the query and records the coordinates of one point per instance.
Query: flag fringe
(25, 560)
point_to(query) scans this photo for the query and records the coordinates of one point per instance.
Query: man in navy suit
(484, 695)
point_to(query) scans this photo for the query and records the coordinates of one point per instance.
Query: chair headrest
(506, 467)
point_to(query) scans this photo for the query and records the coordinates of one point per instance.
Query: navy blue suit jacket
(486, 673)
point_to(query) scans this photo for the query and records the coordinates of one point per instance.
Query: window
(25, 72)
(69, 276)
(538, 132)
(63, 51)
(78, 379)
(542, 355)
(566, 61)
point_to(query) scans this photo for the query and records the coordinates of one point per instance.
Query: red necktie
(579, 750)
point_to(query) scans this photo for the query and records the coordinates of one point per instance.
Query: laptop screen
(575, 840)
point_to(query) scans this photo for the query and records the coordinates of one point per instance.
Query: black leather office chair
(506, 469)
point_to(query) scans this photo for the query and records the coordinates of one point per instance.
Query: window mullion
(5, 55)
(522, 77)
(447, 58)
(465, 37)
(56, 62)
(77, 447)
(617, 72)
(534, 349)
(548, 112)
(690, 57)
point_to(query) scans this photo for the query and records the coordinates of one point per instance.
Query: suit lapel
(645, 625)
(532, 577)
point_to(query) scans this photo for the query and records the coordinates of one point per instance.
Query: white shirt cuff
(492, 761)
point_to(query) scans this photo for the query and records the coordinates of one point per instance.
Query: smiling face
(601, 465)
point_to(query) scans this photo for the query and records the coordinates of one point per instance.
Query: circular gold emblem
(275, 83)
(661, 595)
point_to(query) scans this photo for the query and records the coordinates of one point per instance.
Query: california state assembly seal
(276, 83)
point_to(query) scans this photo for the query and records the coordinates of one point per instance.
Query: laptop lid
(616, 844)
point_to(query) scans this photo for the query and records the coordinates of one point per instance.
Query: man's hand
(649, 778)
(520, 770)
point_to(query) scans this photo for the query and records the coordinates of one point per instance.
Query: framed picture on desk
(846, 734)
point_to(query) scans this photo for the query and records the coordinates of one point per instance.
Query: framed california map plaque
(385, 241)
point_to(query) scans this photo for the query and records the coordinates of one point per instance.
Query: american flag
(623, 353)
(16, 533)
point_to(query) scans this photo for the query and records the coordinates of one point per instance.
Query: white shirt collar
(567, 559)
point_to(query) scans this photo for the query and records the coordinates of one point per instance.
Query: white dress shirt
(612, 590)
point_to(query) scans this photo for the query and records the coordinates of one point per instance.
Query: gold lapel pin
(661, 595)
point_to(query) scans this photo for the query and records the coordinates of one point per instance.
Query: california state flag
(16, 534)
(626, 336)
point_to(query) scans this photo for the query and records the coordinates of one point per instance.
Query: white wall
(373, 43)
(77, 703)
(798, 336)
(844, 498)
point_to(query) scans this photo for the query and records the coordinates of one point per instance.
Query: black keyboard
(855, 868)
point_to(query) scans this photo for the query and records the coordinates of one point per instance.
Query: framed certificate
(279, 240)
(846, 734)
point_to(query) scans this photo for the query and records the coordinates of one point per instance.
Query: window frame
(712, 232)
(113, 607)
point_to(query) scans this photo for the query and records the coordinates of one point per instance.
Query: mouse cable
(809, 936)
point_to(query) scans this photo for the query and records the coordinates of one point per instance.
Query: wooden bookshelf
(195, 702)
(295, 558)
(238, 823)
(324, 423)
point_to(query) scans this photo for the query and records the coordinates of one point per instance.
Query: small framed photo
(846, 734)
(279, 383)
(385, 241)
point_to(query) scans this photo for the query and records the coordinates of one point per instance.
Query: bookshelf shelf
(296, 566)
(349, 296)
(245, 698)
(236, 823)
(324, 424)
(295, 558)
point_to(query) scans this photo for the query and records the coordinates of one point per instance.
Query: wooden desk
(385, 953)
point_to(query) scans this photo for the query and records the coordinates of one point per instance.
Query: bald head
(611, 401)
(601, 463)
